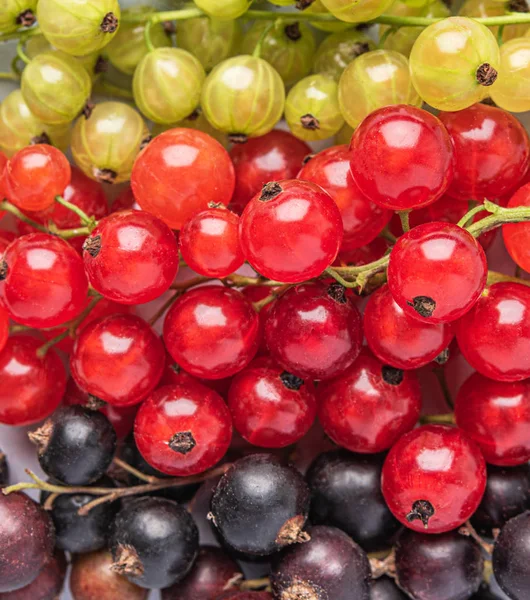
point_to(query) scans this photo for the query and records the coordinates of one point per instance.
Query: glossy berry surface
(511, 556)
(35, 175)
(384, 588)
(330, 563)
(496, 416)
(154, 542)
(75, 445)
(402, 157)
(270, 407)
(179, 173)
(183, 429)
(118, 359)
(314, 331)
(494, 336)
(398, 339)
(291, 231)
(492, 152)
(370, 406)
(26, 541)
(449, 565)
(436, 272)
(212, 332)
(362, 220)
(260, 505)
(209, 242)
(32, 387)
(131, 257)
(346, 493)
(276, 156)
(517, 235)
(4, 327)
(434, 478)
(42, 281)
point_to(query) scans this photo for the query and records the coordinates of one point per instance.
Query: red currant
(370, 406)
(131, 257)
(35, 175)
(3, 163)
(124, 201)
(291, 231)
(362, 220)
(118, 359)
(32, 387)
(6, 237)
(494, 336)
(433, 478)
(437, 271)
(42, 281)
(496, 416)
(364, 255)
(183, 429)
(517, 235)
(270, 407)
(398, 339)
(314, 331)
(402, 157)
(179, 173)
(4, 327)
(212, 332)
(492, 152)
(209, 242)
(275, 156)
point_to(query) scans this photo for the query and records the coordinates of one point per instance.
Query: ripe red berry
(35, 175)
(362, 220)
(492, 152)
(179, 173)
(6, 237)
(212, 332)
(209, 242)
(118, 359)
(125, 200)
(270, 407)
(437, 271)
(398, 339)
(291, 231)
(496, 416)
(494, 336)
(402, 157)
(517, 235)
(32, 387)
(314, 331)
(4, 327)
(183, 429)
(42, 281)
(434, 478)
(275, 156)
(131, 257)
(370, 406)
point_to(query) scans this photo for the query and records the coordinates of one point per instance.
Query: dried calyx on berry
(391, 375)
(238, 138)
(292, 31)
(92, 245)
(422, 510)
(310, 122)
(290, 381)
(26, 18)
(182, 442)
(105, 175)
(109, 23)
(423, 305)
(486, 75)
(337, 292)
(269, 191)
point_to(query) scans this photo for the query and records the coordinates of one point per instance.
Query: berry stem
(447, 419)
(259, 45)
(439, 372)
(89, 222)
(255, 584)
(138, 474)
(162, 310)
(387, 235)
(271, 297)
(469, 530)
(499, 216)
(42, 351)
(495, 277)
(20, 52)
(15, 35)
(11, 76)
(404, 218)
(467, 219)
(147, 35)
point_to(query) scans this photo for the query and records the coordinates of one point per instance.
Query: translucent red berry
(291, 231)
(362, 219)
(517, 235)
(42, 281)
(494, 336)
(402, 157)
(32, 386)
(434, 478)
(212, 332)
(131, 257)
(314, 331)
(118, 359)
(179, 173)
(437, 271)
(4, 327)
(183, 429)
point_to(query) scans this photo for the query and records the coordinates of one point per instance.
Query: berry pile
(240, 368)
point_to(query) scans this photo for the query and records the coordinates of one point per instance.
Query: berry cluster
(250, 328)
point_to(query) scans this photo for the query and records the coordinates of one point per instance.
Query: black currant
(330, 566)
(154, 542)
(384, 588)
(260, 505)
(511, 557)
(77, 533)
(447, 565)
(76, 445)
(507, 495)
(4, 469)
(237, 595)
(346, 493)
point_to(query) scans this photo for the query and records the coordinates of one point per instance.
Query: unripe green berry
(16, 13)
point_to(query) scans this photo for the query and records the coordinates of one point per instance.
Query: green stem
(20, 52)
(272, 296)
(169, 302)
(467, 219)
(384, 37)
(495, 277)
(259, 45)
(388, 235)
(147, 35)
(500, 33)
(89, 222)
(377, 264)
(404, 218)
(500, 216)
(15, 35)
(43, 350)
(11, 208)
(447, 419)
(11, 76)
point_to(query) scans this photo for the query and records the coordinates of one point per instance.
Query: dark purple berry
(384, 588)
(511, 557)
(237, 595)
